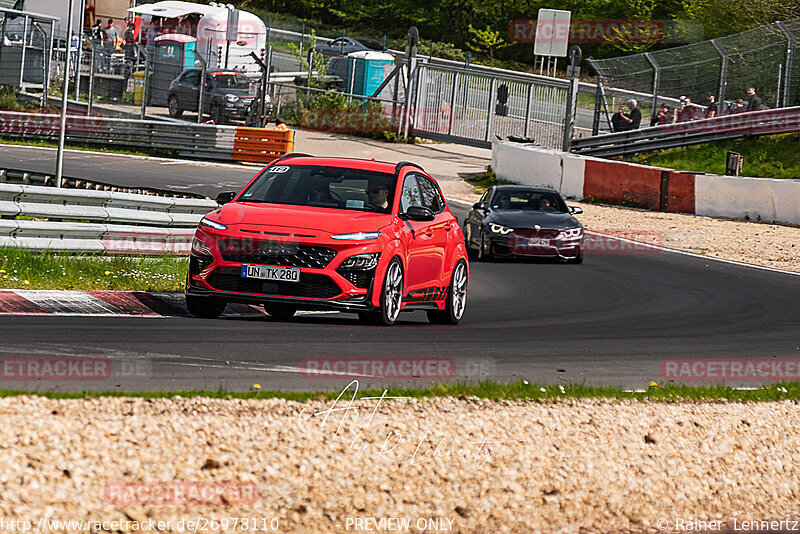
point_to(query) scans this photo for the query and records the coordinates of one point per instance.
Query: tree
(485, 41)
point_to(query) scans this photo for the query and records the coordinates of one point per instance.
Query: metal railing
(98, 221)
(186, 139)
(767, 122)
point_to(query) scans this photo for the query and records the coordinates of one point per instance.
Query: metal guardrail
(186, 139)
(767, 122)
(97, 221)
(206, 141)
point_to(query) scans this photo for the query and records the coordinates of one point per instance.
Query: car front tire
(205, 307)
(175, 110)
(391, 294)
(456, 299)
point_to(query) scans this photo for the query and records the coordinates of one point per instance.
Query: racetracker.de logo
(396, 368)
(733, 369)
(54, 368)
(179, 493)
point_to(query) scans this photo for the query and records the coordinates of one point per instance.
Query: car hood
(530, 218)
(333, 221)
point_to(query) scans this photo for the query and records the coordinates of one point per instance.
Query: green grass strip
(26, 269)
(516, 391)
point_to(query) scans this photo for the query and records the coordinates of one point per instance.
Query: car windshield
(231, 81)
(324, 187)
(369, 43)
(532, 200)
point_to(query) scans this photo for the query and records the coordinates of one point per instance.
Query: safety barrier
(767, 122)
(206, 141)
(98, 221)
(648, 187)
(260, 145)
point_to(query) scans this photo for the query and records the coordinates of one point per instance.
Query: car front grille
(544, 233)
(281, 253)
(310, 285)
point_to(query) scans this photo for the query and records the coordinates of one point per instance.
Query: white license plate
(536, 241)
(266, 272)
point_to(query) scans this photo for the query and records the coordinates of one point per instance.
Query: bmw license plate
(536, 241)
(266, 272)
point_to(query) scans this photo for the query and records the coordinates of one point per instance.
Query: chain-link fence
(724, 67)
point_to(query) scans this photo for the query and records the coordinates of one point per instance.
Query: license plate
(536, 241)
(266, 272)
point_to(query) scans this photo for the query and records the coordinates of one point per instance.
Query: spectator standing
(152, 33)
(110, 35)
(634, 118)
(662, 117)
(686, 112)
(618, 121)
(713, 109)
(753, 101)
(130, 40)
(97, 42)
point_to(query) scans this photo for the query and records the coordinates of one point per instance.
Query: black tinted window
(430, 194)
(324, 187)
(192, 77)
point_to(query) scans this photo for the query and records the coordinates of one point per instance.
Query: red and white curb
(104, 303)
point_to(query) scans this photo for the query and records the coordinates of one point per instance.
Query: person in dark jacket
(618, 122)
(753, 101)
(634, 116)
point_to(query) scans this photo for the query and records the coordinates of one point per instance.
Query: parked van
(209, 25)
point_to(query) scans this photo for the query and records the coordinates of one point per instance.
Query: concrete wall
(581, 176)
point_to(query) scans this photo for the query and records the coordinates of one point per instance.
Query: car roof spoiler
(291, 155)
(402, 164)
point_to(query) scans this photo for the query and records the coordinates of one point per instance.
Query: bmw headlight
(500, 229)
(212, 224)
(361, 262)
(231, 98)
(571, 233)
(358, 236)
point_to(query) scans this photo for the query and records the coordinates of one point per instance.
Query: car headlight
(361, 262)
(200, 249)
(358, 236)
(570, 233)
(500, 229)
(231, 98)
(212, 224)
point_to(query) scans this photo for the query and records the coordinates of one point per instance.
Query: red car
(332, 233)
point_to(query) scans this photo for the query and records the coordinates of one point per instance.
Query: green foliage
(8, 99)
(485, 41)
(484, 181)
(317, 67)
(26, 269)
(771, 156)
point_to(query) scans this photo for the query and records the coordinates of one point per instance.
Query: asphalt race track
(611, 320)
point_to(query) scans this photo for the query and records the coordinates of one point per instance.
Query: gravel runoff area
(439, 464)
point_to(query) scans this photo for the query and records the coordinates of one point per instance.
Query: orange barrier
(261, 145)
(622, 182)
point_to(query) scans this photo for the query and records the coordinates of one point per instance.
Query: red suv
(332, 233)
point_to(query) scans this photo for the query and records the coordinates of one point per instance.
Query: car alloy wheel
(280, 312)
(205, 307)
(456, 301)
(392, 293)
(174, 107)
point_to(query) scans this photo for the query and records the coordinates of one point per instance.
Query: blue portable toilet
(173, 53)
(366, 71)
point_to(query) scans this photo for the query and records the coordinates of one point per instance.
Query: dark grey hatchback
(229, 94)
(512, 220)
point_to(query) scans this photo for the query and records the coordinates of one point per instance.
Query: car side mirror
(478, 206)
(224, 198)
(575, 210)
(418, 213)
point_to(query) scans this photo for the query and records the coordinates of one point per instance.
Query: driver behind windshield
(504, 201)
(378, 194)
